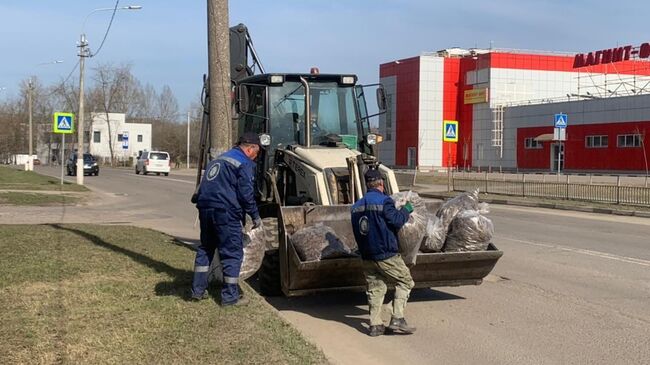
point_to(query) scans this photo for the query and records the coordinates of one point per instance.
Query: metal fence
(632, 195)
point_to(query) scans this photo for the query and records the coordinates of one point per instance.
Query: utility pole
(219, 73)
(188, 140)
(83, 53)
(30, 88)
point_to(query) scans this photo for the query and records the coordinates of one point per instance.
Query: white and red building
(505, 102)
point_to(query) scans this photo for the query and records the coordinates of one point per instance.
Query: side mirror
(243, 99)
(381, 98)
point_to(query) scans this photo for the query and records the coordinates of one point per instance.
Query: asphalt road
(571, 288)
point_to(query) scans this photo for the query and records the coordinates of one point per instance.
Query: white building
(127, 138)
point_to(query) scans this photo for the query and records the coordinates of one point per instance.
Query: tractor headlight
(372, 139)
(277, 79)
(347, 80)
(265, 139)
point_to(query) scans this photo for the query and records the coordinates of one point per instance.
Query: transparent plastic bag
(412, 233)
(446, 214)
(469, 231)
(254, 248)
(319, 242)
(254, 241)
(432, 240)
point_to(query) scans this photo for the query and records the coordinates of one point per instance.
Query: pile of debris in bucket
(459, 225)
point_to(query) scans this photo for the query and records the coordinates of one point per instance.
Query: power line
(71, 72)
(107, 29)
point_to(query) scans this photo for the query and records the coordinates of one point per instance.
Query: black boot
(377, 330)
(198, 298)
(400, 325)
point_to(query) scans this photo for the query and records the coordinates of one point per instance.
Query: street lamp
(83, 53)
(30, 92)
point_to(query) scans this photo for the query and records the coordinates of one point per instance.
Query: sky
(166, 41)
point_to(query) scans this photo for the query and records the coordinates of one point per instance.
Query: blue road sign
(63, 123)
(125, 140)
(450, 131)
(561, 120)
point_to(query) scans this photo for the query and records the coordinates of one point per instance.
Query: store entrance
(557, 156)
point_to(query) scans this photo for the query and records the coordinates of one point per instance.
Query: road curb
(586, 209)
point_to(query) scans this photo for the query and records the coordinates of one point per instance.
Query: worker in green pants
(375, 222)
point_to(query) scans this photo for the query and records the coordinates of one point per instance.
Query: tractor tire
(269, 274)
(272, 233)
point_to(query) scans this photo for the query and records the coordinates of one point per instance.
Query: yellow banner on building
(476, 96)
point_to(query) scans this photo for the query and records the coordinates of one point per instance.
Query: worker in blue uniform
(375, 222)
(225, 196)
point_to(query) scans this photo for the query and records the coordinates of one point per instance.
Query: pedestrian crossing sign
(63, 123)
(561, 120)
(450, 131)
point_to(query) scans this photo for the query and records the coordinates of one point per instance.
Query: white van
(153, 161)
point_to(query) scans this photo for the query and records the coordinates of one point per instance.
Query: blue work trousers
(224, 235)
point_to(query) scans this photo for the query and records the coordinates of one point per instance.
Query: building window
(97, 137)
(596, 141)
(389, 112)
(531, 143)
(629, 140)
(389, 136)
(139, 137)
(119, 137)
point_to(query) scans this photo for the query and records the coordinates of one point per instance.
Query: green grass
(23, 198)
(117, 294)
(13, 179)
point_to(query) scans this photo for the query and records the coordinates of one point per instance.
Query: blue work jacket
(228, 187)
(375, 222)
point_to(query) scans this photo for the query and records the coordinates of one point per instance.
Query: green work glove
(409, 207)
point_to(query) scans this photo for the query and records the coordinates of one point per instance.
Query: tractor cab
(308, 110)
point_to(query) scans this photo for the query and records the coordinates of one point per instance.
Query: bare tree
(114, 87)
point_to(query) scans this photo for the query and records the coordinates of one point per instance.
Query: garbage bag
(432, 240)
(445, 215)
(319, 242)
(469, 231)
(254, 248)
(412, 233)
(254, 241)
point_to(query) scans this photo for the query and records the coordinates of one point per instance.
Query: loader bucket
(432, 269)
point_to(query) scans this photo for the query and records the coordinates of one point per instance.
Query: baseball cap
(250, 138)
(372, 175)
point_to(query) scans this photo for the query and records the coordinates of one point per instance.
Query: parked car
(153, 161)
(90, 165)
(37, 161)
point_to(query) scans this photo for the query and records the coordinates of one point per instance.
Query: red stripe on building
(561, 63)
(407, 91)
(579, 157)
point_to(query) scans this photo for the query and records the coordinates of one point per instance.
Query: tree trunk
(221, 135)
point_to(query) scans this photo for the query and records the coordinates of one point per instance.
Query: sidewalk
(440, 192)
